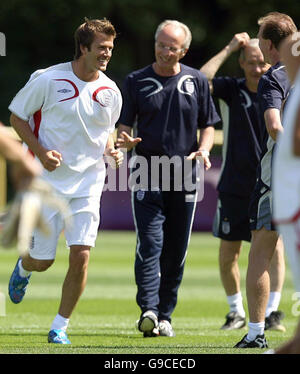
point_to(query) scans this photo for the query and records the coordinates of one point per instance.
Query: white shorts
(85, 212)
(291, 238)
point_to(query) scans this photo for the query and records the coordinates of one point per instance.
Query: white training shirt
(75, 118)
(286, 166)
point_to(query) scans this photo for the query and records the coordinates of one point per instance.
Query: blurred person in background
(273, 91)
(286, 177)
(25, 168)
(243, 129)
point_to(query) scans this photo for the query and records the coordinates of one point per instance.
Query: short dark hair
(276, 26)
(85, 33)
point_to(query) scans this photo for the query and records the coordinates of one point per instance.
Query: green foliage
(40, 33)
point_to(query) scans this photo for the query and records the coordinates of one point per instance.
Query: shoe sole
(167, 336)
(52, 342)
(146, 325)
(280, 328)
(245, 347)
(151, 334)
(236, 327)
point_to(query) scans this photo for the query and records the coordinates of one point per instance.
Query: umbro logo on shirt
(75, 90)
(64, 90)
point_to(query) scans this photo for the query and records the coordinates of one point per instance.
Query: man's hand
(114, 157)
(204, 155)
(210, 68)
(50, 159)
(126, 141)
(238, 41)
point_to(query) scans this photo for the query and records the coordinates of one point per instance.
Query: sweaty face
(169, 47)
(253, 64)
(100, 52)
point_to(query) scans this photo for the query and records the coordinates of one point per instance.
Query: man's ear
(270, 45)
(83, 49)
(183, 53)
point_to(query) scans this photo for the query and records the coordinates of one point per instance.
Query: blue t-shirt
(273, 91)
(168, 110)
(273, 88)
(242, 129)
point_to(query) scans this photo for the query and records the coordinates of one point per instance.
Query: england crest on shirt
(104, 96)
(186, 85)
(189, 86)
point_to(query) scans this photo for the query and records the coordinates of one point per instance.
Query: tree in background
(37, 32)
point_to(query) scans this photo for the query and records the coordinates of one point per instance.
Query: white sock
(236, 304)
(273, 303)
(255, 329)
(23, 273)
(60, 323)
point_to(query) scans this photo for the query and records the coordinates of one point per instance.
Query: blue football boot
(17, 285)
(58, 336)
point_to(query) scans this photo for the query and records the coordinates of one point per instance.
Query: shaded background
(40, 33)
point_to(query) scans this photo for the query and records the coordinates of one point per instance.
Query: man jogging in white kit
(66, 114)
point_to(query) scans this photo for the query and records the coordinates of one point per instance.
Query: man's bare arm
(50, 159)
(213, 65)
(206, 142)
(273, 122)
(115, 157)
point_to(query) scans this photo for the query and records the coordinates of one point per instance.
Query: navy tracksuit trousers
(163, 223)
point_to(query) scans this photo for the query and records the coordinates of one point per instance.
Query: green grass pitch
(104, 319)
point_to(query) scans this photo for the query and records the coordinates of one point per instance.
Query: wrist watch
(205, 153)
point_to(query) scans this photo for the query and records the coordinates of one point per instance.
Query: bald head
(252, 45)
(252, 63)
(179, 28)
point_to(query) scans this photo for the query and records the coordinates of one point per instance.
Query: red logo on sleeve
(104, 99)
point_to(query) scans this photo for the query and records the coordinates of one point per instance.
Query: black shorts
(231, 220)
(260, 208)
